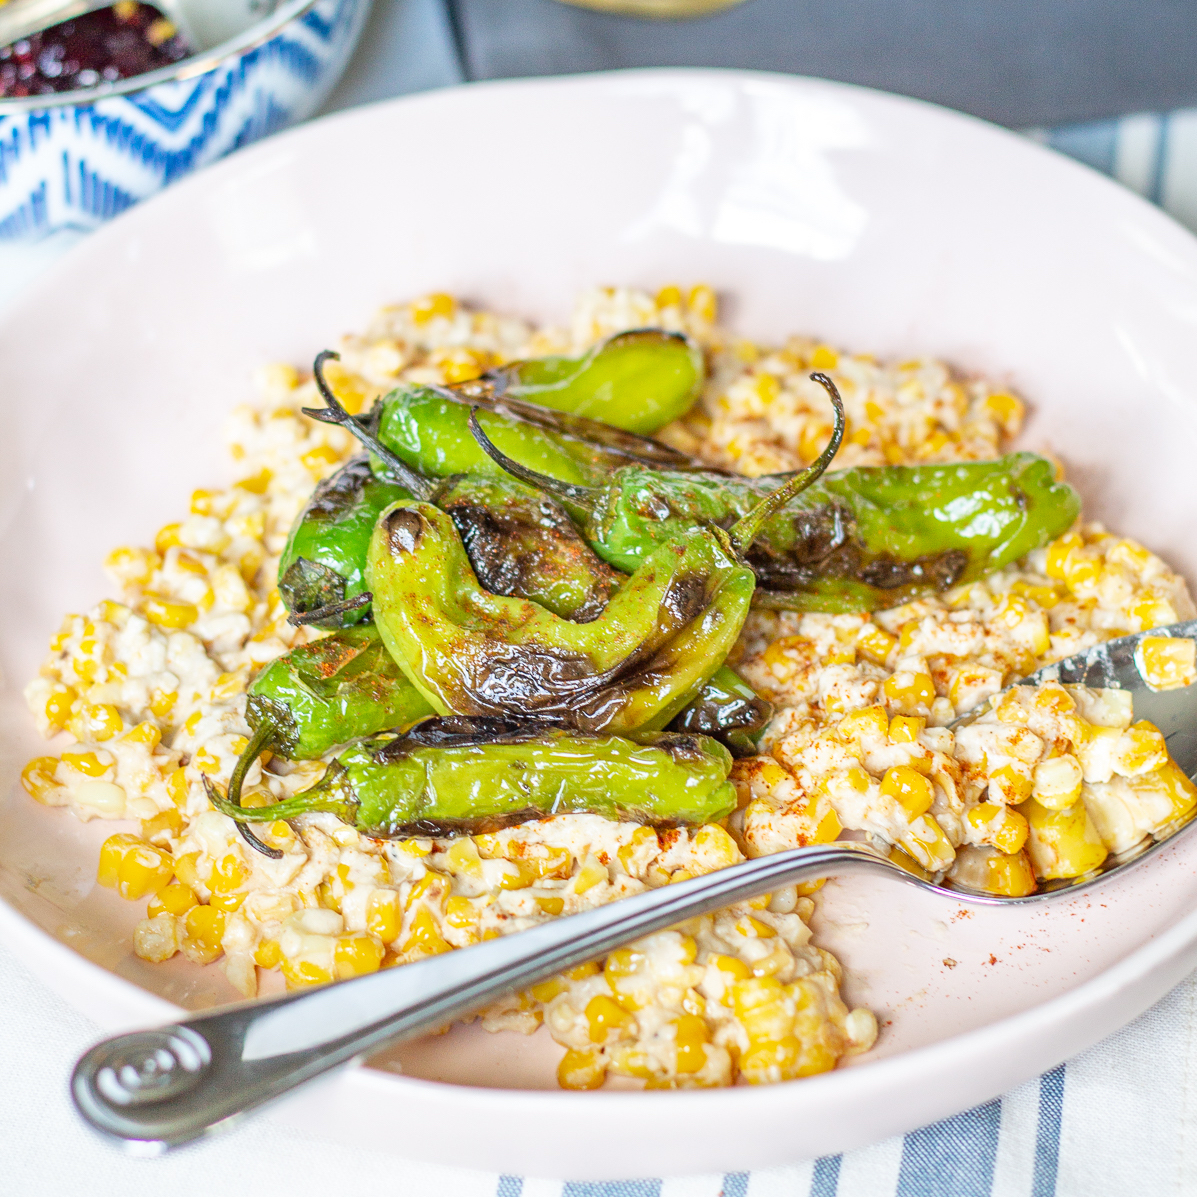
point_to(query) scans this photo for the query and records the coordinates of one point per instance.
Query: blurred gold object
(661, 10)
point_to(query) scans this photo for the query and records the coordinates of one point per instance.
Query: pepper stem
(263, 737)
(746, 530)
(317, 614)
(324, 796)
(419, 486)
(586, 497)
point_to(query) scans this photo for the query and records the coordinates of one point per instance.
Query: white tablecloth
(1121, 1119)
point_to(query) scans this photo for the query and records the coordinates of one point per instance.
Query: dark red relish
(99, 47)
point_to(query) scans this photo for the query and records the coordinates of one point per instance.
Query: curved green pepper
(468, 776)
(729, 710)
(518, 540)
(636, 666)
(638, 381)
(315, 698)
(857, 540)
(324, 559)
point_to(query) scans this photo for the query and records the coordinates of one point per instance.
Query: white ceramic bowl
(79, 158)
(874, 222)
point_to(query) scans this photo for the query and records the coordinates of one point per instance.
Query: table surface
(1120, 1118)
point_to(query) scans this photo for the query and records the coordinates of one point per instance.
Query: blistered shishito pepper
(646, 657)
(468, 776)
(638, 381)
(322, 569)
(729, 710)
(857, 540)
(327, 693)
(519, 540)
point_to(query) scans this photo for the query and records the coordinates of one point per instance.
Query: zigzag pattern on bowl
(74, 166)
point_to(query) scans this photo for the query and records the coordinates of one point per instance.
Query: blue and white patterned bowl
(74, 160)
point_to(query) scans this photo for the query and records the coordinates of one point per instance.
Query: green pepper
(656, 644)
(468, 776)
(518, 540)
(857, 540)
(320, 696)
(638, 381)
(322, 568)
(729, 710)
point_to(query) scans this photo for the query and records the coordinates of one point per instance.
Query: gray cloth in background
(1021, 63)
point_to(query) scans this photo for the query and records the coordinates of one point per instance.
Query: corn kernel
(926, 842)
(550, 905)
(382, 915)
(1005, 829)
(1008, 410)
(989, 871)
(134, 567)
(909, 789)
(581, 1070)
(546, 991)
(318, 459)
(910, 691)
(143, 869)
(302, 973)
(167, 538)
(669, 297)
(691, 1037)
(591, 873)
(701, 302)
(89, 764)
(623, 962)
(1058, 553)
(112, 852)
(606, 1018)
(174, 898)
(268, 954)
(425, 939)
(824, 358)
(58, 707)
(463, 858)
(162, 702)
(432, 306)
(202, 931)
(735, 968)
(1062, 843)
(38, 778)
(100, 721)
(167, 613)
(461, 913)
(1167, 662)
(869, 723)
(186, 871)
(357, 955)
(906, 729)
(168, 821)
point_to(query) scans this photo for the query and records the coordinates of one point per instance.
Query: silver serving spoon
(203, 24)
(160, 1088)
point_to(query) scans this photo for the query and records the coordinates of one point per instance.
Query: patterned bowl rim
(189, 68)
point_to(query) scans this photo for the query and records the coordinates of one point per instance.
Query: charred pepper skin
(474, 653)
(455, 776)
(858, 540)
(635, 667)
(729, 710)
(518, 540)
(637, 381)
(324, 559)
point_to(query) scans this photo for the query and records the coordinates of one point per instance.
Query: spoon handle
(159, 1088)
